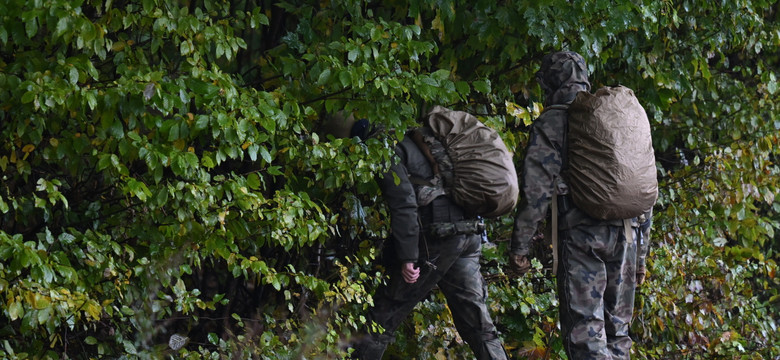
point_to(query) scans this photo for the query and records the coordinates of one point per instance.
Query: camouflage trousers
(596, 283)
(456, 271)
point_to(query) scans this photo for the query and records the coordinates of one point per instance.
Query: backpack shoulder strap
(554, 232)
(557, 107)
(417, 137)
(554, 240)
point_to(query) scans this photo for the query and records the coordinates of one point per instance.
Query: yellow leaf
(27, 153)
(118, 46)
(55, 338)
(660, 323)
(92, 309)
(15, 310)
(31, 298)
(437, 24)
(42, 302)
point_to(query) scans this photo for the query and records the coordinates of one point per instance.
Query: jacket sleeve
(399, 195)
(540, 169)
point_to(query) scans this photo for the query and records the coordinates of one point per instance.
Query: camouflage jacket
(561, 76)
(540, 172)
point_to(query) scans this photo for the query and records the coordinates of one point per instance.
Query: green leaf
(15, 311)
(345, 78)
(3, 206)
(43, 315)
(62, 26)
(73, 75)
(91, 99)
(148, 6)
(207, 161)
(274, 170)
(104, 162)
(462, 87)
(353, 54)
(213, 339)
(253, 181)
(265, 154)
(129, 347)
(31, 27)
(324, 77)
(28, 97)
(481, 86)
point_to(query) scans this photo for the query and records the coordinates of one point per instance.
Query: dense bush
(166, 190)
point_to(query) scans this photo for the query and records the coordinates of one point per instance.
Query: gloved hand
(519, 264)
(641, 273)
(410, 272)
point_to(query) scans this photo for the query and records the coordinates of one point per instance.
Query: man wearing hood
(598, 269)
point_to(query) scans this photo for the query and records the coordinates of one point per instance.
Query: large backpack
(610, 162)
(470, 162)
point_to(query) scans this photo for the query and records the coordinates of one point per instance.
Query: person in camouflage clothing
(598, 270)
(431, 245)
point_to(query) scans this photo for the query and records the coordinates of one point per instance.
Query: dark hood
(562, 75)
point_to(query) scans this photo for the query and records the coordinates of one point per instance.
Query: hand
(519, 263)
(641, 274)
(410, 273)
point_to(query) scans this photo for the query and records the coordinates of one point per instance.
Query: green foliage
(164, 173)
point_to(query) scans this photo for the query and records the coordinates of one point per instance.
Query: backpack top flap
(484, 179)
(611, 163)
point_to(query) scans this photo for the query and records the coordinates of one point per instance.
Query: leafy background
(167, 192)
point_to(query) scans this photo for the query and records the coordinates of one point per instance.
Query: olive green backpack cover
(610, 161)
(471, 160)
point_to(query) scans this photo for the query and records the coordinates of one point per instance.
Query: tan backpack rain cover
(484, 179)
(611, 169)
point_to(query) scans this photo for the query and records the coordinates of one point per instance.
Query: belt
(464, 227)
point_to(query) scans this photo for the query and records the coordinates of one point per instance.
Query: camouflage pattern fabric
(561, 76)
(596, 290)
(597, 267)
(455, 269)
(540, 170)
(449, 261)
